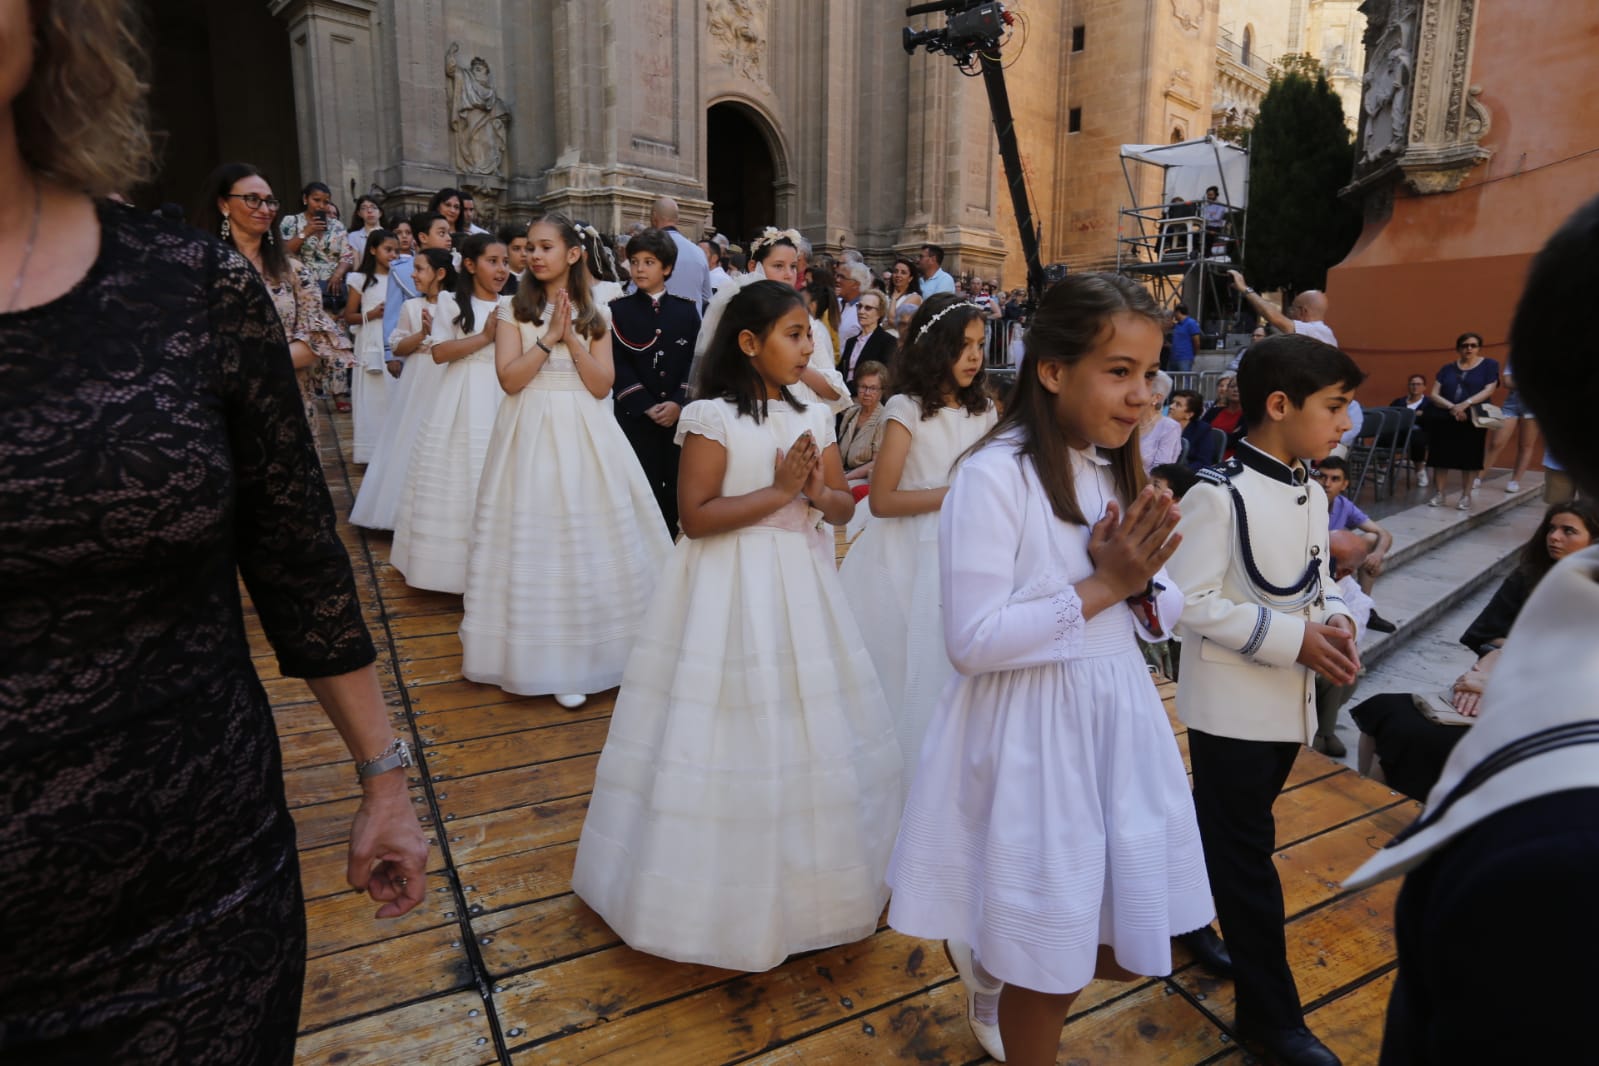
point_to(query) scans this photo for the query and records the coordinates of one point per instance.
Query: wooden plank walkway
(502, 964)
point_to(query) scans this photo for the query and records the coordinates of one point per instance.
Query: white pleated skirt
(1050, 815)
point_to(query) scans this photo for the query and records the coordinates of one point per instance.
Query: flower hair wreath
(771, 235)
(931, 322)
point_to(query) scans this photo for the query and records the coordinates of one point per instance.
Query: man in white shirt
(691, 276)
(934, 278)
(1308, 311)
(469, 214)
(853, 280)
(713, 257)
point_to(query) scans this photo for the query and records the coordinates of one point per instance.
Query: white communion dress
(371, 386)
(567, 542)
(1050, 812)
(378, 501)
(433, 526)
(891, 574)
(745, 803)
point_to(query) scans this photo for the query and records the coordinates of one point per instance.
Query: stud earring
(227, 229)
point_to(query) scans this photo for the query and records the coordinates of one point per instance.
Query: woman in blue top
(1453, 442)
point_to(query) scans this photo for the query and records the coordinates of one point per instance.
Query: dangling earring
(227, 230)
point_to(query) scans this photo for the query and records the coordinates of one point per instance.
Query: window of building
(1078, 33)
(1074, 120)
(1248, 48)
(1177, 135)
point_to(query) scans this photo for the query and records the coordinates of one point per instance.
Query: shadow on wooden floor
(502, 964)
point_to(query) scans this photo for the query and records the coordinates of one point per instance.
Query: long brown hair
(1070, 321)
(528, 304)
(1535, 561)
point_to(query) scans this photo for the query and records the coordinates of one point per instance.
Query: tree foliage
(1301, 154)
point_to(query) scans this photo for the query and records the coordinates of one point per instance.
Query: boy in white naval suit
(1262, 617)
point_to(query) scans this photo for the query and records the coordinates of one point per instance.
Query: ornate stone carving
(479, 119)
(739, 27)
(1187, 13)
(1421, 119)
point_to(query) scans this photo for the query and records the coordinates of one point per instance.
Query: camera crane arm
(974, 28)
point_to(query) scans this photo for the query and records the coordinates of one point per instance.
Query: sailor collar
(1269, 465)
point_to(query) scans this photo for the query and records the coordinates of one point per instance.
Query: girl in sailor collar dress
(1049, 836)
(745, 803)
(891, 572)
(567, 540)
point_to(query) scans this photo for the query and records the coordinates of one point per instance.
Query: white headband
(771, 235)
(931, 322)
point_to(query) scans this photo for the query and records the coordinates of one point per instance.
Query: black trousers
(1235, 784)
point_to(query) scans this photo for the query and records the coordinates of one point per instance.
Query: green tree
(1301, 154)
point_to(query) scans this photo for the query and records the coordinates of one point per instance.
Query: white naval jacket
(1239, 675)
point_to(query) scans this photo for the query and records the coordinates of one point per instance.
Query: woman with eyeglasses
(240, 208)
(1453, 442)
(153, 452)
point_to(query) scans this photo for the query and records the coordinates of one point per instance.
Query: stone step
(1419, 529)
(1443, 559)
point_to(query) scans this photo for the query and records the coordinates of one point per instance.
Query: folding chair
(1364, 450)
(1395, 445)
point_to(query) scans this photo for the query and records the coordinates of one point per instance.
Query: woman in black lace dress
(153, 448)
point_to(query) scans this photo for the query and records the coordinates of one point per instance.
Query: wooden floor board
(502, 785)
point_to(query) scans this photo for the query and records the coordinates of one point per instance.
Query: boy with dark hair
(514, 237)
(1333, 473)
(653, 335)
(1174, 476)
(1262, 619)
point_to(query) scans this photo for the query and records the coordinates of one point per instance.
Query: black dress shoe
(1378, 624)
(1209, 951)
(1289, 1047)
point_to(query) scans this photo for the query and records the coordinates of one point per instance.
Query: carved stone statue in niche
(1388, 82)
(479, 118)
(739, 28)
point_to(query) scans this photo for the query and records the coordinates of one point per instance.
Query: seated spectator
(1402, 747)
(1184, 410)
(1227, 413)
(1357, 420)
(1259, 334)
(1415, 399)
(1349, 552)
(1344, 514)
(860, 432)
(1160, 439)
(1174, 476)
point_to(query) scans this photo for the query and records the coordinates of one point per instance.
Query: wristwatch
(397, 754)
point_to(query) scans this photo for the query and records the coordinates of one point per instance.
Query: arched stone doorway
(742, 171)
(222, 91)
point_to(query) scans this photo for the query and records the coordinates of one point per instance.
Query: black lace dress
(152, 447)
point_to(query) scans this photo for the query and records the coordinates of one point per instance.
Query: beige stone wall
(1330, 30)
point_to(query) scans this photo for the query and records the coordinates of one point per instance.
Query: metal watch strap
(396, 755)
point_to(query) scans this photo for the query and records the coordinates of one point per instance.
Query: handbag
(1486, 416)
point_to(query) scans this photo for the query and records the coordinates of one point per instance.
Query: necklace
(27, 251)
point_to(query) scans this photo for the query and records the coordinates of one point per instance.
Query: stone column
(334, 57)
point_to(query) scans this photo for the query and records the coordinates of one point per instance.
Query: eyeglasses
(254, 202)
(1470, 344)
(868, 388)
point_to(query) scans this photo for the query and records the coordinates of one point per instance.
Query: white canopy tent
(1193, 166)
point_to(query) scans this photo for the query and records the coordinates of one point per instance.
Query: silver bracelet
(396, 755)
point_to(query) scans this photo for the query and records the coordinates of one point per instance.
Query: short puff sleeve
(703, 418)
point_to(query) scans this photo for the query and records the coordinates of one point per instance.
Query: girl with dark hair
(433, 526)
(423, 321)
(1401, 747)
(939, 410)
(749, 701)
(317, 239)
(369, 213)
(240, 209)
(1049, 835)
(567, 539)
(371, 389)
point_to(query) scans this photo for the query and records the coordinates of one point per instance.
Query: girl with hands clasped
(424, 320)
(567, 540)
(745, 803)
(434, 524)
(939, 410)
(371, 387)
(1048, 836)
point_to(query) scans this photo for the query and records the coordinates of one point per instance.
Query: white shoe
(572, 702)
(1514, 486)
(1437, 500)
(1476, 483)
(1421, 479)
(1465, 503)
(960, 957)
